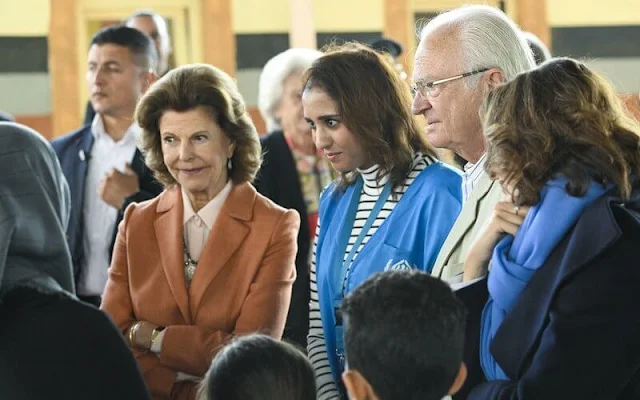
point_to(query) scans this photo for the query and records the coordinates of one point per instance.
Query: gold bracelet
(132, 333)
(154, 334)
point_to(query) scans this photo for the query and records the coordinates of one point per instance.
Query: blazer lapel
(85, 144)
(226, 237)
(169, 231)
(464, 222)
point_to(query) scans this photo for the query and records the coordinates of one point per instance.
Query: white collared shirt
(471, 175)
(99, 217)
(198, 226)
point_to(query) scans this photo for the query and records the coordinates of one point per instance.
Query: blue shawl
(515, 260)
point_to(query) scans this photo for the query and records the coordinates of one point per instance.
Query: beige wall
(273, 16)
(31, 17)
(593, 12)
(24, 17)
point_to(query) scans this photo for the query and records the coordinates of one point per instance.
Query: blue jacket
(410, 237)
(74, 152)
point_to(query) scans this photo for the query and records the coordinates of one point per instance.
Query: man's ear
(459, 381)
(149, 78)
(495, 78)
(358, 388)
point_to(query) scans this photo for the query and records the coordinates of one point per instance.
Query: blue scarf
(515, 260)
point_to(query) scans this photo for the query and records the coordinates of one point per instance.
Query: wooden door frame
(203, 32)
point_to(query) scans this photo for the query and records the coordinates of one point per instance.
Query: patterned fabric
(315, 174)
(326, 386)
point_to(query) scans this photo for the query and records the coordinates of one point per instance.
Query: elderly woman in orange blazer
(209, 258)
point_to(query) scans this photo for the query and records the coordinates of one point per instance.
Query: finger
(512, 208)
(128, 169)
(511, 217)
(507, 226)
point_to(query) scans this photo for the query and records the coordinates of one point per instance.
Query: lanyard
(340, 287)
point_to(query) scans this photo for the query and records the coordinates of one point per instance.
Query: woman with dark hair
(258, 367)
(562, 319)
(209, 258)
(52, 346)
(393, 203)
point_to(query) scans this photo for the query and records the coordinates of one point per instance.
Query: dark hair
(6, 117)
(540, 52)
(559, 119)
(374, 104)
(404, 332)
(187, 88)
(258, 367)
(385, 45)
(139, 44)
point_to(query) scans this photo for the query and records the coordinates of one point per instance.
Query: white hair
(272, 78)
(488, 39)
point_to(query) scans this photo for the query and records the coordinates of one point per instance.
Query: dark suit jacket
(74, 153)
(575, 331)
(278, 180)
(63, 366)
(89, 114)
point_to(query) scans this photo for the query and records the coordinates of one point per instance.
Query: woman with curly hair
(561, 321)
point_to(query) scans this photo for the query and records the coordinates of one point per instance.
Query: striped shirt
(371, 190)
(472, 172)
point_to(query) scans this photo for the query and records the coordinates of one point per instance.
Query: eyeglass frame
(420, 86)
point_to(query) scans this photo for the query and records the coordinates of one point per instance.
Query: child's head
(404, 338)
(259, 367)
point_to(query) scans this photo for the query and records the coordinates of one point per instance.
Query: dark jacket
(574, 333)
(74, 153)
(279, 181)
(55, 347)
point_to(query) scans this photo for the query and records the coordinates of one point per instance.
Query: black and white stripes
(371, 189)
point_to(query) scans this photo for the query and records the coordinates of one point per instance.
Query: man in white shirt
(101, 162)
(461, 56)
(153, 25)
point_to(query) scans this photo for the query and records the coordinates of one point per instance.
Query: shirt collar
(470, 168)
(210, 211)
(98, 130)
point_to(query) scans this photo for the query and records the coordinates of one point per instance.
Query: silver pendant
(189, 270)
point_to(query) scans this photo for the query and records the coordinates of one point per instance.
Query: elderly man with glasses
(461, 56)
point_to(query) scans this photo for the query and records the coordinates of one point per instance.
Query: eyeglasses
(433, 89)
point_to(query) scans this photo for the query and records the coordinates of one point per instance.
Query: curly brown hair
(559, 119)
(189, 87)
(375, 105)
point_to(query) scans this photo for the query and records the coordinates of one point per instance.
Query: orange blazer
(242, 283)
